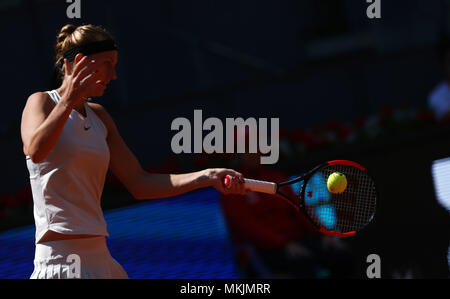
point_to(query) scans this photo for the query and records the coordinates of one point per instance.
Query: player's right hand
(80, 78)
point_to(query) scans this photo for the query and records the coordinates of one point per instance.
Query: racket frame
(300, 205)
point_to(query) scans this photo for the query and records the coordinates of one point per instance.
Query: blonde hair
(71, 36)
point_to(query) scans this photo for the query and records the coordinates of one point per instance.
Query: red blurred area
(266, 221)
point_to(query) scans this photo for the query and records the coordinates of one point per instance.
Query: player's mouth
(103, 84)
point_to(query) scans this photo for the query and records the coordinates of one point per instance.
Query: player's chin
(99, 90)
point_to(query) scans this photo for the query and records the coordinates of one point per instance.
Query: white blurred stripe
(440, 170)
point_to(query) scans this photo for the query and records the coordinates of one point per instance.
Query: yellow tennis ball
(337, 183)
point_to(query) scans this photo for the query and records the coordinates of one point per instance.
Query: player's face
(106, 70)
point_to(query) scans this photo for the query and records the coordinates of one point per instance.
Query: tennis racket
(337, 214)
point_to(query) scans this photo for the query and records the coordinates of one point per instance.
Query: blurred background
(342, 85)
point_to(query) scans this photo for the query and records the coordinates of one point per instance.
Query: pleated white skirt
(87, 258)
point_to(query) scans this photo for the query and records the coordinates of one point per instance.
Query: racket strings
(348, 211)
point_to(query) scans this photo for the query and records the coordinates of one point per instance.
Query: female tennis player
(69, 144)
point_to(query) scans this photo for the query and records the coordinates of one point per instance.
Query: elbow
(35, 155)
(138, 187)
(33, 151)
(136, 193)
(139, 194)
(141, 186)
(36, 158)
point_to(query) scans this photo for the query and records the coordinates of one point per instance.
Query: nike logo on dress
(86, 128)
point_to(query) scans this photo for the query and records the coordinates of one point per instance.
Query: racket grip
(255, 185)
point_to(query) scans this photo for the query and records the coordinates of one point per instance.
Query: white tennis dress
(67, 188)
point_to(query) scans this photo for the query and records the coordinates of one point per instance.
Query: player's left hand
(217, 176)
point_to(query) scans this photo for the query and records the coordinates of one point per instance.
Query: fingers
(236, 184)
(85, 72)
(79, 65)
(234, 174)
(88, 81)
(82, 75)
(87, 77)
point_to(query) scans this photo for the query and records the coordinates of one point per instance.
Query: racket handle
(255, 185)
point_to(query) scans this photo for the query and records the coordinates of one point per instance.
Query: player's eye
(108, 64)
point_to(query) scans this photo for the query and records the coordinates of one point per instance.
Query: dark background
(356, 88)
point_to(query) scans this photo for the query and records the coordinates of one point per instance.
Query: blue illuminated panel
(180, 237)
(440, 170)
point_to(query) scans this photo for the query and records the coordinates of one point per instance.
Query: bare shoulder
(41, 99)
(103, 114)
(38, 106)
(100, 111)
(39, 95)
(39, 102)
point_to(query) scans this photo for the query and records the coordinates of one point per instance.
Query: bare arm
(43, 121)
(144, 185)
